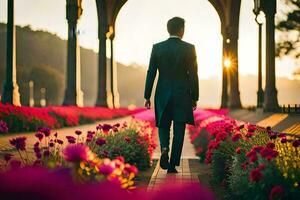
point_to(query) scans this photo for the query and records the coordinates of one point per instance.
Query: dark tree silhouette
(289, 28)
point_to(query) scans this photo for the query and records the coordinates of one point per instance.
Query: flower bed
(250, 162)
(21, 119)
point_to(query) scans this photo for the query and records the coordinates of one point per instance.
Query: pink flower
(255, 175)
(76, 153)
(130, 169)
(276, 192)
(19, 143)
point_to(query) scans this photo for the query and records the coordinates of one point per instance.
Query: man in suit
(176, 92)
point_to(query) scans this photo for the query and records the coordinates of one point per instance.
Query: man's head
(176, 26)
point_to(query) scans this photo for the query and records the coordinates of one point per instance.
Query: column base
(116, 100)
(271, 101)
(11, 94)
(73, 98)
(260, 98)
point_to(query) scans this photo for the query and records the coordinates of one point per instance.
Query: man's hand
(148, 103)
(194, 104)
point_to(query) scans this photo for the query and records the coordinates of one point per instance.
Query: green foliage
(221, 162)
(289, 27)
(127, 143)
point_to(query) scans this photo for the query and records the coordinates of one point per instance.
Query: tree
(289, 28)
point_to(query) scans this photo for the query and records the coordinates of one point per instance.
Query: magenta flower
(296, 143)
(105, 128)
(46, 131)
(19, 143)
(71, 139)
(58, 141)
(39, 135)
(106, 169)
(78, 132)
(76, 153)
(15, 164)
(101, 141)
(8, 156)
(3, 127)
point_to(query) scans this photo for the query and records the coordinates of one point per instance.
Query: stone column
(224, 101)
(260, 92)
(113, 70)
(11, 90)
(233, 74)
(73, 93)
(103, 96)
(270, 97)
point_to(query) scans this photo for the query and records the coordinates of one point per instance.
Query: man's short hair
(175, 25)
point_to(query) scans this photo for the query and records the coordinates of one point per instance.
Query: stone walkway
(186, 172)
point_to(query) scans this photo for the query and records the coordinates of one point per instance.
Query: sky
(141, 23)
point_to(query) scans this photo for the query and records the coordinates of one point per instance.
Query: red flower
(271, 145)
(3, 127)
(19, 143)
(244, 165)
(253, 158)
(127, 139)
(255, 175)
(238, 150)
(268, 153)
(236, 137)
(276, 192)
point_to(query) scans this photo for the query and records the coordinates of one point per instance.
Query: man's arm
(151, 73)
(194, 76)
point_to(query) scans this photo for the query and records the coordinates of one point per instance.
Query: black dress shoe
(164, 159)
(172, 170)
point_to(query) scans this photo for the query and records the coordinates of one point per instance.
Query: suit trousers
(178, 137)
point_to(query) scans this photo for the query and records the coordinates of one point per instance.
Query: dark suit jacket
(178, 79)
